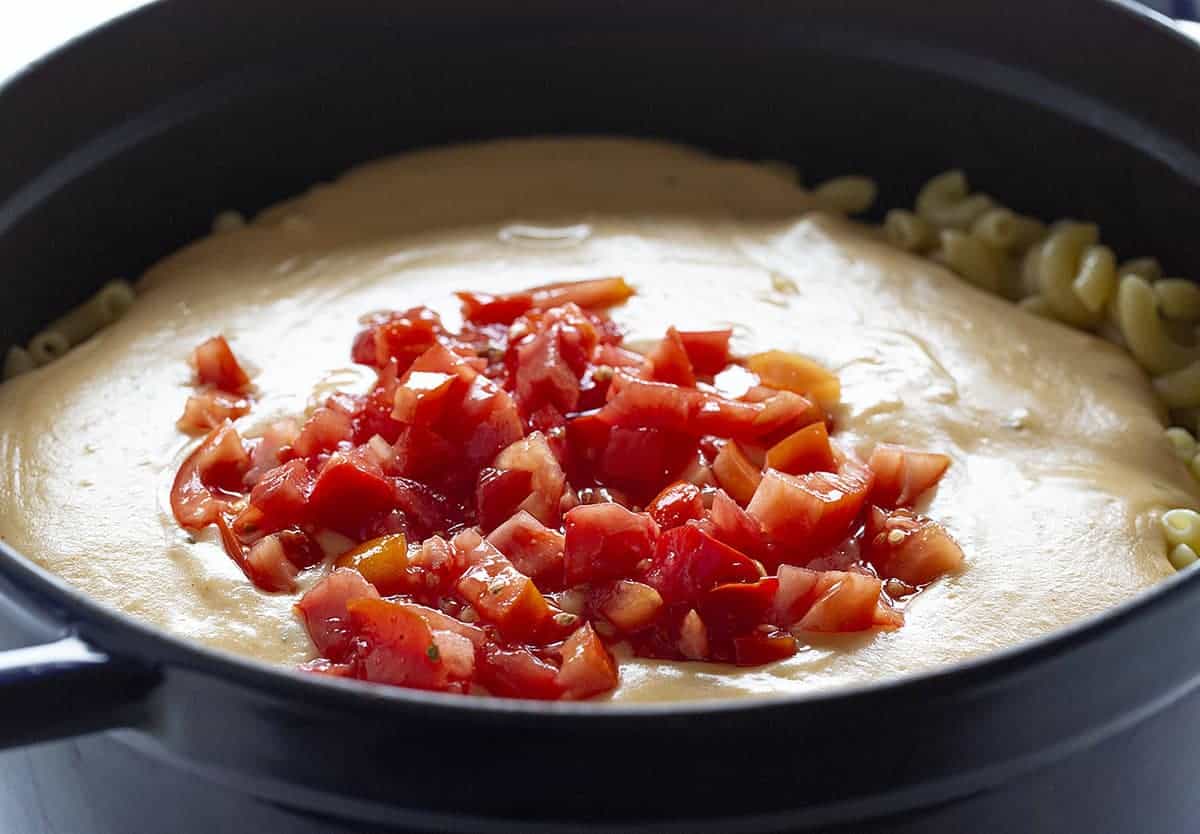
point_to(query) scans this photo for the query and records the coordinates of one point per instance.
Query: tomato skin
(597, 293)
(669, 362)
(845, 601)
(217, 366)
(518, 673)
(903, 475)
(811, 511)
(687, 562)
(324, 431)
(215, 468)
(587, 667)
(707, 350)
(548, 482)
(394, 645)
(278, 500)
(605, 541)
(736, 527)
(805, 450)
(642, 403)
(676, 504)
(401, 337)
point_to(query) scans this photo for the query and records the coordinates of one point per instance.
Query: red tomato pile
(511, 500)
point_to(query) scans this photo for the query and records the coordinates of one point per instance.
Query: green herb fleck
(432, 653)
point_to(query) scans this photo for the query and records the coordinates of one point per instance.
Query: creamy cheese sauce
(1060, 467)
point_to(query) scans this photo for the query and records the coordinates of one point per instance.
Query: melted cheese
(1060, 466)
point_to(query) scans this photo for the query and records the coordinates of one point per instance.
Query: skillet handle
(67, 688)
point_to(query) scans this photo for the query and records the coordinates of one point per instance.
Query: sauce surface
(1060, 469)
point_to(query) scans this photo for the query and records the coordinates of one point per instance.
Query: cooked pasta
(908, 231)
(1180, 389)
(1005, 229)
(1054, 265)
(106, 306)
(1178, 299)
(1147, 339)
(17, 361)
(846, 195)
(946, 201)
(1183, 442)
(983, 265)
(1148, 268)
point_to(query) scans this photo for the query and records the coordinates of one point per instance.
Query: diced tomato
(738, 607)
(909, 547)
(758, 647)
(394, 645)
(272, 449)
(423, 395)
(534, 549)
(206, 410)
(902, 475)
(217, 366)
(785, 412)
(616, 357)
(211, 474)
(641, 460)
(501, 594)
(499, 493)
(669, 362)
(808, 512)
(382, 561)
(643, 403)
(268, 566)
(278, 500)
(735, 473)
(796, 593)
(806, 450)
(532, 454)
(792, 372)
(587, 667)
(630, 606)
(324, 431)
(425, 510)
(734, 526)
(676, 504)
(349, 488)
(324, 612)
(687, 562)
(402, 337)
(518, 673)
(421, 453)
(708, 350)
(845, 601)
(441, 621)
(482, 308)
(605, 541)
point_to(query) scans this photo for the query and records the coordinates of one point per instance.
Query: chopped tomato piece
(792, 372)
(323, 608)
(217, 366)
(735, 473)
(268, 566)
(734, 526)
(605, 541)
(519, 673)
(532, 454)
(324, 431)
(669, 362)
(349, 488)
(909, 547)
(483, 308)
(421, 396)
(533, 548)
(808, 512)
(399, 336)
(796, 593)
(687, 562)
(805, 450)
(277, 501)
(639, 460)
(498, 494)
(382, 561)
(783, 413)
(395, 645)
(420, 452)
(208, 409)
(630, 606)
(738, 607)
(501, 594)
(758, 647)
(645, 404)
(902, 475)
(845, 601)
(272, 449)
(708, 350)
(678, 503)
(204, 483)
(587, 667)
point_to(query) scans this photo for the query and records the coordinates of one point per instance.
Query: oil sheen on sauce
(1060, 467)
